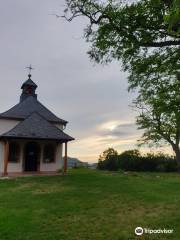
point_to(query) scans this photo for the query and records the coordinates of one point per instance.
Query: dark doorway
(31, 161)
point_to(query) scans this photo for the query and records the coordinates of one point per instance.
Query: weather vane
(30, 69)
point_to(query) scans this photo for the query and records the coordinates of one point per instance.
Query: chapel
(32, 137)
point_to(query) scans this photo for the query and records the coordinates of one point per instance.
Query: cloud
(118, 128)
(118, 134)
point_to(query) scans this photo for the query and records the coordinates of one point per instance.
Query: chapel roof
(26, 107)
(29, 82)
(36, 126)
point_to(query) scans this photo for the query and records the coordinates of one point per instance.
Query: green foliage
(123, 30)
(132, 160)
(108, 160)
(128, 160)
(173, 18)
(160, 111)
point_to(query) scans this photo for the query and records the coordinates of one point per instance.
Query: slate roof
(37, 127)
(25, 108)
(30, 83)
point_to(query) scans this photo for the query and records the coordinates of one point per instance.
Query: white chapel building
(32, 137)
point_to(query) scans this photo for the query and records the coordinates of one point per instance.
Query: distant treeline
(133, 160)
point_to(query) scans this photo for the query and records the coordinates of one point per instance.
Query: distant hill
(93, 165)
(75, 162)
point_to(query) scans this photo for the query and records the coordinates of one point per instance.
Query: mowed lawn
(89, 204)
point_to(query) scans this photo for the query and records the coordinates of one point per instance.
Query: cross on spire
(30, 69)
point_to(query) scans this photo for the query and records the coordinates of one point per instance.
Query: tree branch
(161, 44)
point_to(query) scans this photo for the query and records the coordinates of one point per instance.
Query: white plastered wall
(44, 167)
(55, 166)
(5, 126)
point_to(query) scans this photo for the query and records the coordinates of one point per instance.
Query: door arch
(31, 157)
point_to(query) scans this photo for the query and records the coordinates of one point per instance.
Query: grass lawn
(88, 204)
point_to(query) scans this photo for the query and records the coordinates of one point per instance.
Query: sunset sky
(93, 98)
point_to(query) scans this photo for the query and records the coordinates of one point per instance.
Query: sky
(92, 98)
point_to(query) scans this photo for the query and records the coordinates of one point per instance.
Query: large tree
(144, 36)
(160, 114)
(108, 160)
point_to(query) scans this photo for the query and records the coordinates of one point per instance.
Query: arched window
(49, 153)
(14, 152)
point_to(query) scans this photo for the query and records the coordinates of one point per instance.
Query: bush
(132, 160)
(128, 160)
(108, 160)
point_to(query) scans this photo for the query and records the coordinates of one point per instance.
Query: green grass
(88, 204)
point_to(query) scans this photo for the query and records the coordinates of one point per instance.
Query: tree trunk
(177, 152)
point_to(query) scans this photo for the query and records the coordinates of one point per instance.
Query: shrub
(132, 160)
(108, 160)
(128, 160)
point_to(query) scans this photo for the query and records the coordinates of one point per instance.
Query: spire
(28, 89)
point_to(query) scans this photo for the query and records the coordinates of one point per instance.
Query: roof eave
(17, 118)
(36, 138)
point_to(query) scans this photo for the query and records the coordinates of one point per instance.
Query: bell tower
(28, 89)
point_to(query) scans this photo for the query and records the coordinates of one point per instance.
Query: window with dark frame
(49, 153)
(14, 152)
